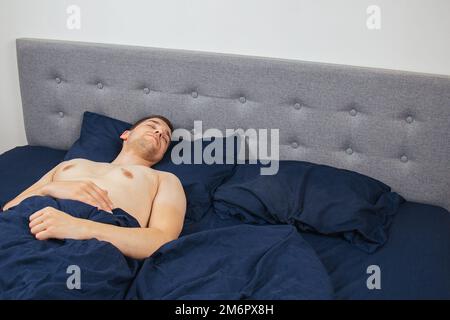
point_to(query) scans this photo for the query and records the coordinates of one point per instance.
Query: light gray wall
(414, 34)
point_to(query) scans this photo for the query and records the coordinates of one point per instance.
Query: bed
(388, 125)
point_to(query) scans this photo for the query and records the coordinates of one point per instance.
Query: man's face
(149, 140)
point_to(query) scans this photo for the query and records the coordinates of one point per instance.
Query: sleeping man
(154, 198)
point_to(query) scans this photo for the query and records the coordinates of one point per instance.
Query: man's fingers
(97, 198)
(111, 204)
(43, 235)
(37, 214)
(97, 201)
(89, 199)
(101, 196)
(36, 221)
(104, 194)
(38, 228)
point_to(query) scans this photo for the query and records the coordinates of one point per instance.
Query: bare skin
(155, 198)
(129, 187)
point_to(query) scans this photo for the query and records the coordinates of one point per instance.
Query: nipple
(127, 173)
(68, 167)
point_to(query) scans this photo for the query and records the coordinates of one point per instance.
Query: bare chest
(131, 188)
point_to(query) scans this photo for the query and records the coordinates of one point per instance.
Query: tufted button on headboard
(393, 126)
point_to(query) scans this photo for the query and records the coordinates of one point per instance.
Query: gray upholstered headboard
(393, 126)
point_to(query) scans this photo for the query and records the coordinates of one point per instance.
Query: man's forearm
(23, 196)
(138, 243)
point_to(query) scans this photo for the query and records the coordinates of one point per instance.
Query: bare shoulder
(164, 176)
(68, 162)
(168, 177)
(72, 162)
(76, 160)
(169, 183)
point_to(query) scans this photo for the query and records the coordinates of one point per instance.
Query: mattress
(414, 263)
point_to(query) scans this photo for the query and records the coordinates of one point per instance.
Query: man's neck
(128, 158)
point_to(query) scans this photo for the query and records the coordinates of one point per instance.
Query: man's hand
(51, 223)
(87, 192)
(166, 222)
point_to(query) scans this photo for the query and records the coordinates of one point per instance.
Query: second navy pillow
(313, 197)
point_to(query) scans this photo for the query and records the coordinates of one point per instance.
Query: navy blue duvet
(236, 262)
(35, 269)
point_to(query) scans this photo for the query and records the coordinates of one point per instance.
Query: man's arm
(166, 223)
(85, 191)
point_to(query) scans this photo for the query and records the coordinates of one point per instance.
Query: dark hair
(169, 124)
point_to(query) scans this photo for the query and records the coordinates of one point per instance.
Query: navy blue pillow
(313, 197)
(100, 141)
(99, 138)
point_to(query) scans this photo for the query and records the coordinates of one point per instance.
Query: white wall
(414, 34)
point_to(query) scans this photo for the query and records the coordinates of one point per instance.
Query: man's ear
(125, 134)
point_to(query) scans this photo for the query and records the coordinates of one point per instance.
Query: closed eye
(166, 137)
